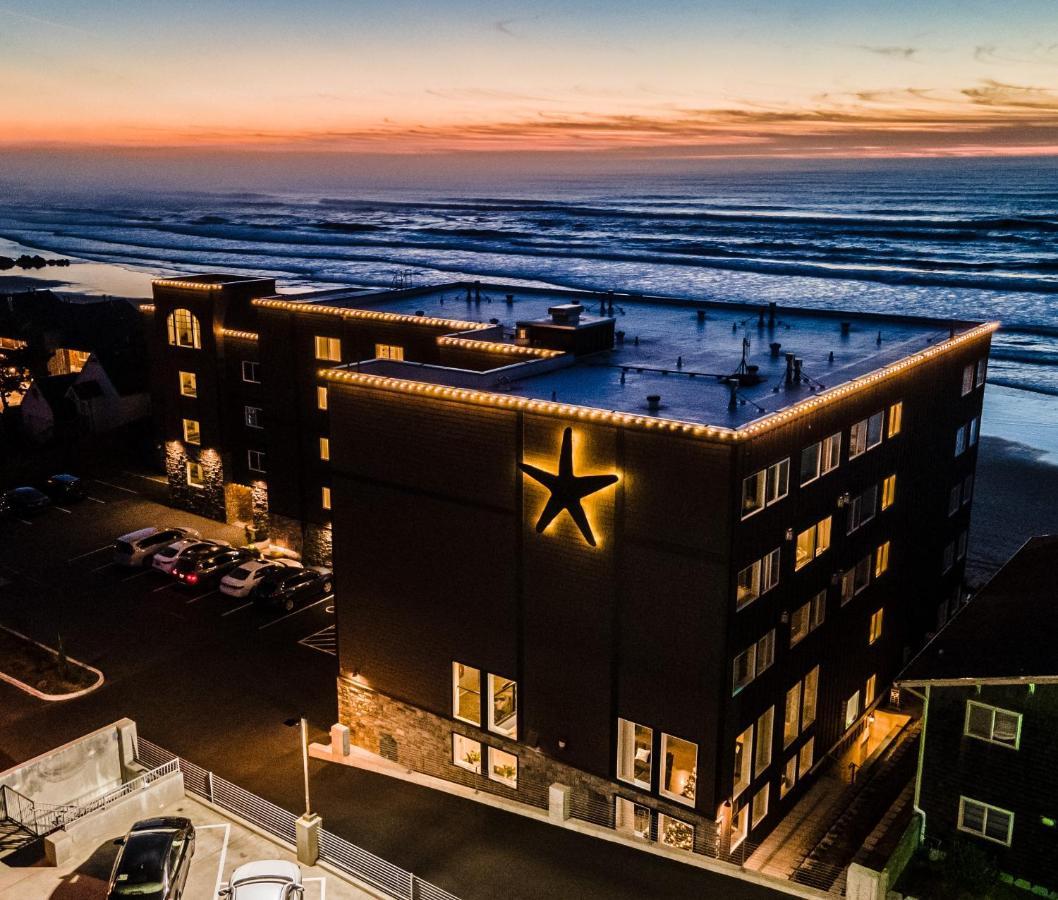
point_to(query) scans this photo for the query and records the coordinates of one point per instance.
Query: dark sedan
(64, 487)
(24, 501)
(289, 587)
(154, 860)
(210, 567)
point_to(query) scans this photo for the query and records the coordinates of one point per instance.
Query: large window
(631, 818)
(967, 379)
(194, 473)
(466, 753)
(762, 749)
(805, 757)
(792, 717)
(862, 508)
(808, 714)
(875, 630)
(325, 497)
(255, 460)
(852, 710)
(820, 458)
(757, 578)
(752, 661)
(389, 351)
(870, 690)
(985, 820)
(888, 491)
(634, 751)
(765, 487)
(251, 371)
(881, 560)
(328, 349)
(325, 448)
(184, 329)
(743, 770)
(982, 371)
(739, 826)
(992, 724)
(253, 416)
(674, 833)
(679, 774)
(466, 693)
(960, 441)
(192, 432)
(503, 767)
(865, 434)
(808, 617)
(760, 806)
(321, 397)
(896, 419)
(188, 384)
(856, 579)
(503, 706)
(789, 776)
(812, 542)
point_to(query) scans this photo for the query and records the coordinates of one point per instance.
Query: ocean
(953, 237)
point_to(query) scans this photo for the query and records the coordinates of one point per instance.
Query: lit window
(192, 433)
(631, 818)
(188, 384)
(960, 441)
(852, 710)
(503, 767)
(466, 693)
(253, 416)
(986, 821)
(325, 448)
(888, 491)
(812, 542)
(325, 497)
(196, 477)
(389, 351)
(791, 718)
(679, 773)
(862, 508)
(760, 806)
(743, 773)
(748, 584)
(634, 752)
(982, 371)
(881, 560)
(967, 379)
(466, 753)
(321, 397)
(799, 623)
(255, 460)
(762, 755)
(869, 690)
(765, 487)
(875, 630)
(808, 715)
(674, 833)
(896, 418)
(992, 724)
(251, 371)
(184, 329)
(739, 826)
(789, 776)
(503, 706)
(328, 349)
(745, 668)
(806, 757)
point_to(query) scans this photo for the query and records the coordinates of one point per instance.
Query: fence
(340, 853)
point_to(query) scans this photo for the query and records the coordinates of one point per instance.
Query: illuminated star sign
(567, 489)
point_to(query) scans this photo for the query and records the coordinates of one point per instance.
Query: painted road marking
(325, 640)
(95, 499)
(116, 487)
(24, 522)
(202, 596)
(139, 575)
(237, 608)
(164, 587)
(63, 509)
(223, 855)
(295, 612)
(89, 553)
(104, 566)
(323, 885)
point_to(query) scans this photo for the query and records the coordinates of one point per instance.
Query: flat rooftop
(677, 349)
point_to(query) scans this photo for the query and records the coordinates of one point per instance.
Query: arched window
(183, 329)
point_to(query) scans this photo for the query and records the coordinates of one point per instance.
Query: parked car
(170, 555)
(65, 487)
(137, 548)
(209, 568)
(265, 879)
(240, 581)
(286, 589)
(24, 501)
(154, 860)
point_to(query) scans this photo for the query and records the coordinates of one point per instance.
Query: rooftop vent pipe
(845, 328)
(654, 402)
(775, 347)
(789, 368)
(772, 307)
(797, 369)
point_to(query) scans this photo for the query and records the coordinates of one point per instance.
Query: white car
(137, 548)
(265, 879)
(167, 557)
(240, 581)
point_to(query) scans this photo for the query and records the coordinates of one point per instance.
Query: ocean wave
(1030, 386)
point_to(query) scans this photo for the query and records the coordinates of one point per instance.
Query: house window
(765, 651)
(748, 584)
(739, 826)
(188, 384)
(253, 416)
(862, 508)
(830, 456)
(791, 718)
(808, 715)
(975, 430)
(251, 371)
(953, 500)
(852, 710)
(466, 693)
(743, 761)
(947, 559)
(875, 630)
(881, 559)
(503, 706)
(967, 489)
(810, 463)
(805, 757)
(888, 491)
(765, 487)
(856, 579)
(985, 820)
(631, 819)
(389, 351)
(869, 690)
(770, 571)
(325, 448)
(192, 433)
(960, 441)
(255, 460)
(745, 668)
(760, 806)
(789, 776)
(325, 497)
(466, 753)
(634, 750)
(196, 477)
(328, 349)
(960, 546)
(865, 434)
(778, 481)
(503, 767)
(765, 727)
(679, 774)
(184, 329)
(799, 623)
(321, 397)
(982, 371)
(967, 379)
(896, 418)
(674, 833)
(812, 542)
(992, 724)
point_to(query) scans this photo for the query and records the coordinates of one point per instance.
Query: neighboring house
(988, 771)
(109, 396)
(45, 407)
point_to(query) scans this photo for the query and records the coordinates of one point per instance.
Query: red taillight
(192, 578)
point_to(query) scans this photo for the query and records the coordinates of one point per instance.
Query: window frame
(457, 688)
(260, 461)
(394, 352)
(874, 628)
(968, 379)
(321, 397)
(325, 448)
(987, 808)
(622, 755)
(809, 712)
(256, 417)
(740, 784)
(491, 681)
(175, 331)
(791, 728)
(325, 497)
(192, 430)
(756, 817)
(818, 547)
(888, 491)
(992, 724)
(509, 781)
(981, 372)
(184, 379)
(189, 466)
(250, 371)
(831, 452)
(803, 768)
(662, 789)
(895, 422)
(764, 737)
(662, 819)
(464, 763)
(328, 349)
(881, 558)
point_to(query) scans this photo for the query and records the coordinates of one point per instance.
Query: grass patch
(40, 668)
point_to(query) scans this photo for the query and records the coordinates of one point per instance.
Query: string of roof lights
(372, 314)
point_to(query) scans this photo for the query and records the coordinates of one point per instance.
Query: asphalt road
(213, 683)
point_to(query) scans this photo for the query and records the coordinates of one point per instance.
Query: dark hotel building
(668, 554)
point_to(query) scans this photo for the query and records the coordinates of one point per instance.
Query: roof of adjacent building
(1007, 632)
(676, 349)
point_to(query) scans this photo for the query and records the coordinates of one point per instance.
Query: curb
(40, 695)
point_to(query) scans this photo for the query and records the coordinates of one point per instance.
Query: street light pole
(308, 826)
(305, 761)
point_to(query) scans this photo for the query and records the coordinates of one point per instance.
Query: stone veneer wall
(311, 541)
(259, 498)
(207, 500)
(422, 741)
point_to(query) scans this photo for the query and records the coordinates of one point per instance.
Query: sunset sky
(654, 78)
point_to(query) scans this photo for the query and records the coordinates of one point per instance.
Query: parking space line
(164, 587)
(323, 885)
(116, 487)
(104, 566)
(138, 575)
(295, 612)
(89, 553)
(95, 499)
(24, 522)
(223, 854)
(237, 608)
(63, 509)
(202, 596)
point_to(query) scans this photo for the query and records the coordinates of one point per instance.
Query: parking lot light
(308, 826)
